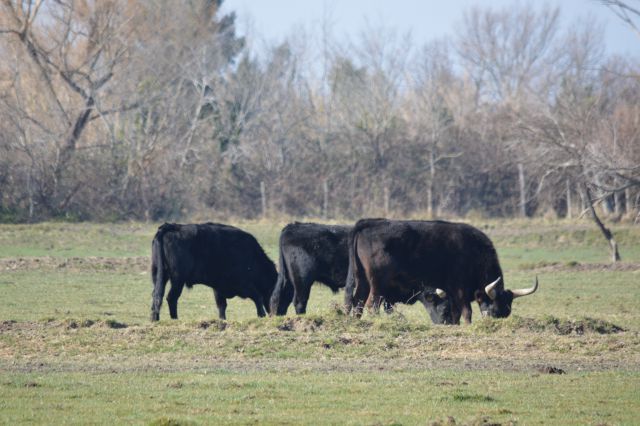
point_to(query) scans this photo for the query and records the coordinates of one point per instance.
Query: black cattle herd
(443, 265)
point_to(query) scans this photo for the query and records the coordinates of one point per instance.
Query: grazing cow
(227, 259)
(309, 252)
(404, 257)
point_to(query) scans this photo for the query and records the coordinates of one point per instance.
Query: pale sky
(427, 20)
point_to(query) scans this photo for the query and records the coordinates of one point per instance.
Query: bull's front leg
(255, 295)
(260, 306)
(466, 312)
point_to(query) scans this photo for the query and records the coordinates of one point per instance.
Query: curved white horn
(441, 293)
(491, 289)
(525, 291)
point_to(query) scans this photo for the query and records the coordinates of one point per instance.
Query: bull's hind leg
(373, 302)
(158, 295)
(302, 289)
(221, 303)
(173, 296)
(360, 295)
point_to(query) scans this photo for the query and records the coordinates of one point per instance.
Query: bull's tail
(158, 273)
(350, 284)
(356, 280)
(283, 291)
(352, 272)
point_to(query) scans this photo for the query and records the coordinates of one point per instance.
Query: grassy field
(76, 346)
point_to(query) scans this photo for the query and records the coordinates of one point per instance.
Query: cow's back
(324, 246)
(437, 252)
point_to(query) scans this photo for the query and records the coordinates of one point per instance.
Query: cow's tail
(350, 284)
(354, 266)
(158, 273)
(283, 291)
(355, 274)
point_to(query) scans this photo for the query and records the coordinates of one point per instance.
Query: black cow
(309, 252)
(404, 257)
(223, 257)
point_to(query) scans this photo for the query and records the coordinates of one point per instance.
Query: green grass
(76, 240)
(221, 396)
(76, 345)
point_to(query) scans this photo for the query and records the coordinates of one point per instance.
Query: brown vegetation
(120, 109)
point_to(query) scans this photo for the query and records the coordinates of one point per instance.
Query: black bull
(222, 257)
(389, 257)
(311, 252)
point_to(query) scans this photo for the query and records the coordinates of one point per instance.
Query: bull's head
(439, 306)
(499, 303)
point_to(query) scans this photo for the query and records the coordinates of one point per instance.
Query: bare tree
(624, 10)
(578, 131)
(66, 54)
(430, 118)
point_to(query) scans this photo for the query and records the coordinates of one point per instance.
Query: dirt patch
(579, 327)
(177, 362)
(74, 324)
(551, 370)
(216, 324)
(549, 323)
(6, 325)
(479, 421)
(574, 266)
(302, 324)
(92, 263)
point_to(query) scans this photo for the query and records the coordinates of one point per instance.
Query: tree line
(119, 109)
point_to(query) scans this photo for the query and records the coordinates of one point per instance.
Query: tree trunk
(386, 201)
(69, 147)
(615, 256)
(263, 199)
(325, 200)
(569, 212)
(30, 192)
(617, 201)
(430, 185)
(523, 196)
